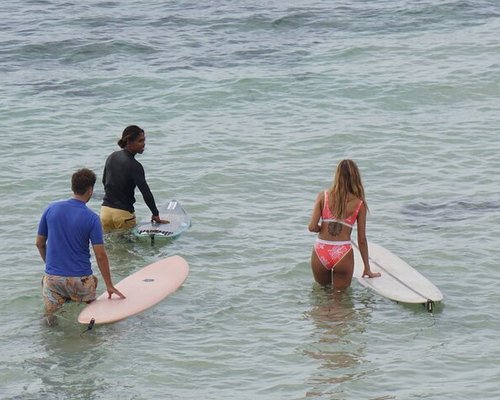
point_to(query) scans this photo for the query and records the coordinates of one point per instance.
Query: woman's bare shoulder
(321, 194)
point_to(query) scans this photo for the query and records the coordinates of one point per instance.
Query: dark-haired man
(122, 174)
(66, 229)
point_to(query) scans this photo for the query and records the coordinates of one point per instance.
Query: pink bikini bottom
(330, 253)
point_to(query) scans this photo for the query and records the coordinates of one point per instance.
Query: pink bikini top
(327, 215)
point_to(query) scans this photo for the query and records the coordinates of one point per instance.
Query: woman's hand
(314, 228)
(371, 274)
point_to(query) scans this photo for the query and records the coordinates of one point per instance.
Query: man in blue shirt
(65, 230)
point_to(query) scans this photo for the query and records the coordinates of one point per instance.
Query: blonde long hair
(347, 181)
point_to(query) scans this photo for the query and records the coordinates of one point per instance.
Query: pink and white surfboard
(143, 289)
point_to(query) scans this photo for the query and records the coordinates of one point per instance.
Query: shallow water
(247, 109)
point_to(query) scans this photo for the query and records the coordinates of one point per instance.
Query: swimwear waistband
(334, 242)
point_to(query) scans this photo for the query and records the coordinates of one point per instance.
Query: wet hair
(129, 135)
(347, 181)
(82, 180)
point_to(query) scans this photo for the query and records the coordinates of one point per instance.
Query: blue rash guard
(122, 173)
(69, 226)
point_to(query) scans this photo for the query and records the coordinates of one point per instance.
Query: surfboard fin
(89, 326)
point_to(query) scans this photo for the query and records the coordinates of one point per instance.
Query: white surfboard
(398, 281)
(143, 289)
(179, 221)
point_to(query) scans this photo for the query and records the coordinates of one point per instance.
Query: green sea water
(247, 108)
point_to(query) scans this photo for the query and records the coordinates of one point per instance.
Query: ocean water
(247, 108)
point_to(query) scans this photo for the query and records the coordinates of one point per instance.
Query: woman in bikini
(335, 212)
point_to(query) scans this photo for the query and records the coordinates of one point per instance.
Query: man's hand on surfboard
(156, 219)
(112, 289)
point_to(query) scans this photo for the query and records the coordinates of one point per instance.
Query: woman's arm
(363, 243)
(314, 225)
